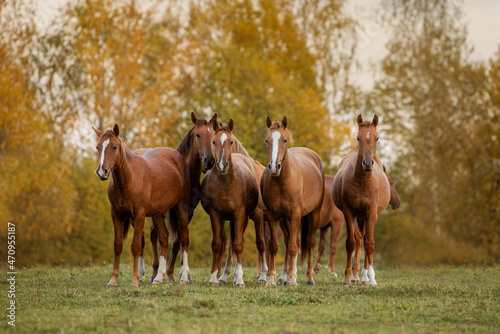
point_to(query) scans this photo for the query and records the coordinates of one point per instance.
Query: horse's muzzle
(103, 174)
(275, 171)
(208, 164)
(223, 167)
(367, 167)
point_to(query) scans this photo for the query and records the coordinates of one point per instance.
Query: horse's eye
(267, 142)
(97, 148)
(231, 143)
(213, 142)
(115, 147)
(376, 139)
(358, 138)
(197, 135)
(285, 140)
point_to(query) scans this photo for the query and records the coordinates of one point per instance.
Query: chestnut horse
(140, 187)
(292, 191)
(332, 217)
(196, 147)
(230, 192)
(361, 190)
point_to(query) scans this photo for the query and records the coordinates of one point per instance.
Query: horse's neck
(359, 173)
(287, 166)
(122, 174)
(193, 160)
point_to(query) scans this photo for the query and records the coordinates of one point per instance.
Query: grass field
(407, 300)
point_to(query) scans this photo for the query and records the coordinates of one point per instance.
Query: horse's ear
(284, 121)
(269, 122)
(213, 119)
(116, 130)
(215, 125)
(230, 125)
(375, 120)
(97, 132)
(360, 119)
(194, 119)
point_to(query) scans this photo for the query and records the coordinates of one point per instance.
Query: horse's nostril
(205, 161)
(269, 166)
(105, 171)
(279, 166)
(371, 163)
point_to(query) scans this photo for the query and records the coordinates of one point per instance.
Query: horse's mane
(186, 141)
(238, 146)
(278, 125)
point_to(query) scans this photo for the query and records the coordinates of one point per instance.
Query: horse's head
(277, 139)
(109, 151)
(367, 141)
(395, 200)
(203, 133)
(222, 145)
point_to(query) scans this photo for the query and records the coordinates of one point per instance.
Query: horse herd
(292, 197)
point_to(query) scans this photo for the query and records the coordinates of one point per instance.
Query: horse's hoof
(155, 282)
(365, 282)
(152, 279)
(272, 284)
(222, 281)
(134, 285)
(346, 283)
(111, 286)
(189, 279)
(355, 281)
(240, 285)
(141, 280)
(316, 270)
(310, 283)
(262, 281)
(170, 279)
(373, 284)
(212, 283)
(186, 282)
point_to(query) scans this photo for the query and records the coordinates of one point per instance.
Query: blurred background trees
(147, 66)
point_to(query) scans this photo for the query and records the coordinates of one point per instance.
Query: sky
(482, 18)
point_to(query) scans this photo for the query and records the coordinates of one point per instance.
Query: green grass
(407, 300)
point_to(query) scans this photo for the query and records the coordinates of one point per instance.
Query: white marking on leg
(364, 275)
(296, 266)
(221, 164)
(238, 274)
(104, 145)
(213, 278)
(263, 269)
(162, 269)
(276, 138)
(142, 269)
(371, 275)
(185, 267)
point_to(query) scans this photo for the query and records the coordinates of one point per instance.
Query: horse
(196, 148)
(332, 217)
(361, 191)
(140, 187)
(229, 192)
(292, 191)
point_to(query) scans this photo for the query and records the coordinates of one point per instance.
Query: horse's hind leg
(334, 238)
(273, 249)
(321, 247)
(154, 243)
(182, 214)
(313, 220)
(142, 268)
(162, 231)
(258, 220)
(137, 245)
(286, 235)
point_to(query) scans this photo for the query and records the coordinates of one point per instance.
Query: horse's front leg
(239, 228)
(293, 248)
(334, 239)
(258, 220)
(358, 237)
(370, 245)
(313, 222)
(184, 237)
(137, 245)
(321, 247)
(154, 243)
(229, 262)
(118, 223)
(216, 246)
(273, 250)
(285, 228)
(350, 243)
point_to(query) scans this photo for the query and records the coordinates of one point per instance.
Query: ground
(407, 300)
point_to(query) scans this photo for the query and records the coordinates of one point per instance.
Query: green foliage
(408, 300)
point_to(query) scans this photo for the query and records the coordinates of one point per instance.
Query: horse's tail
(304, 242)
(173, 224)
(126, 226)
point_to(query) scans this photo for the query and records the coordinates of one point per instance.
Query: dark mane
(185, 142)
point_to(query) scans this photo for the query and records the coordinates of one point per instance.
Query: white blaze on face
(104, 145)
(276, 140)
(222, 140)
(368, 135)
